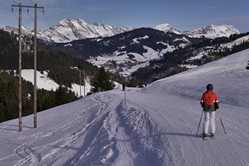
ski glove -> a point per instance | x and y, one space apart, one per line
202 104
216 105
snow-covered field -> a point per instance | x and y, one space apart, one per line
128 65
44 82
152 126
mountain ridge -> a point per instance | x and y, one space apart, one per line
210 31
68 30
74 29
125 53
101 30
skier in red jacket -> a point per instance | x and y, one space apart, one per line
209 103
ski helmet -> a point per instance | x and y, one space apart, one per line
210 87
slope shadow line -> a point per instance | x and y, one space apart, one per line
163 134
15 128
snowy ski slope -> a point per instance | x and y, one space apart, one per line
154 126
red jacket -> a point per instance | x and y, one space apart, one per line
209 101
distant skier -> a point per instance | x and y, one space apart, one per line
123 86
209 103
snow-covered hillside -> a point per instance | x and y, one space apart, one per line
155 125
129 62
44 82
205 51
126 52
236 42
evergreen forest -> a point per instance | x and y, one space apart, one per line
62 68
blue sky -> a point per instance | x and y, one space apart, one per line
181 14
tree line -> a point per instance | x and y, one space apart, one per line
61 67
9 97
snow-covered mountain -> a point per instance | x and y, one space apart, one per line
212 31
75 29
156 125
126 52
167 28
68 30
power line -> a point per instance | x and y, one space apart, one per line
15 2
5 7
8 10
45 17
30 15
43 13
47 20
12 11
35 7
32 19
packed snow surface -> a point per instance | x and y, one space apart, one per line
153 126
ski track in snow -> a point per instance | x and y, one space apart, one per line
49 153
155 125
109 132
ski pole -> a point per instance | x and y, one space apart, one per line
199 123
125 96
223 125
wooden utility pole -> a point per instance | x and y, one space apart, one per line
80 82
20 6
84 83
20 66
35 66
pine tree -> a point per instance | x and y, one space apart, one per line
247 67
60 96
102 82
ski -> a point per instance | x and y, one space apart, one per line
212 136
204 138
